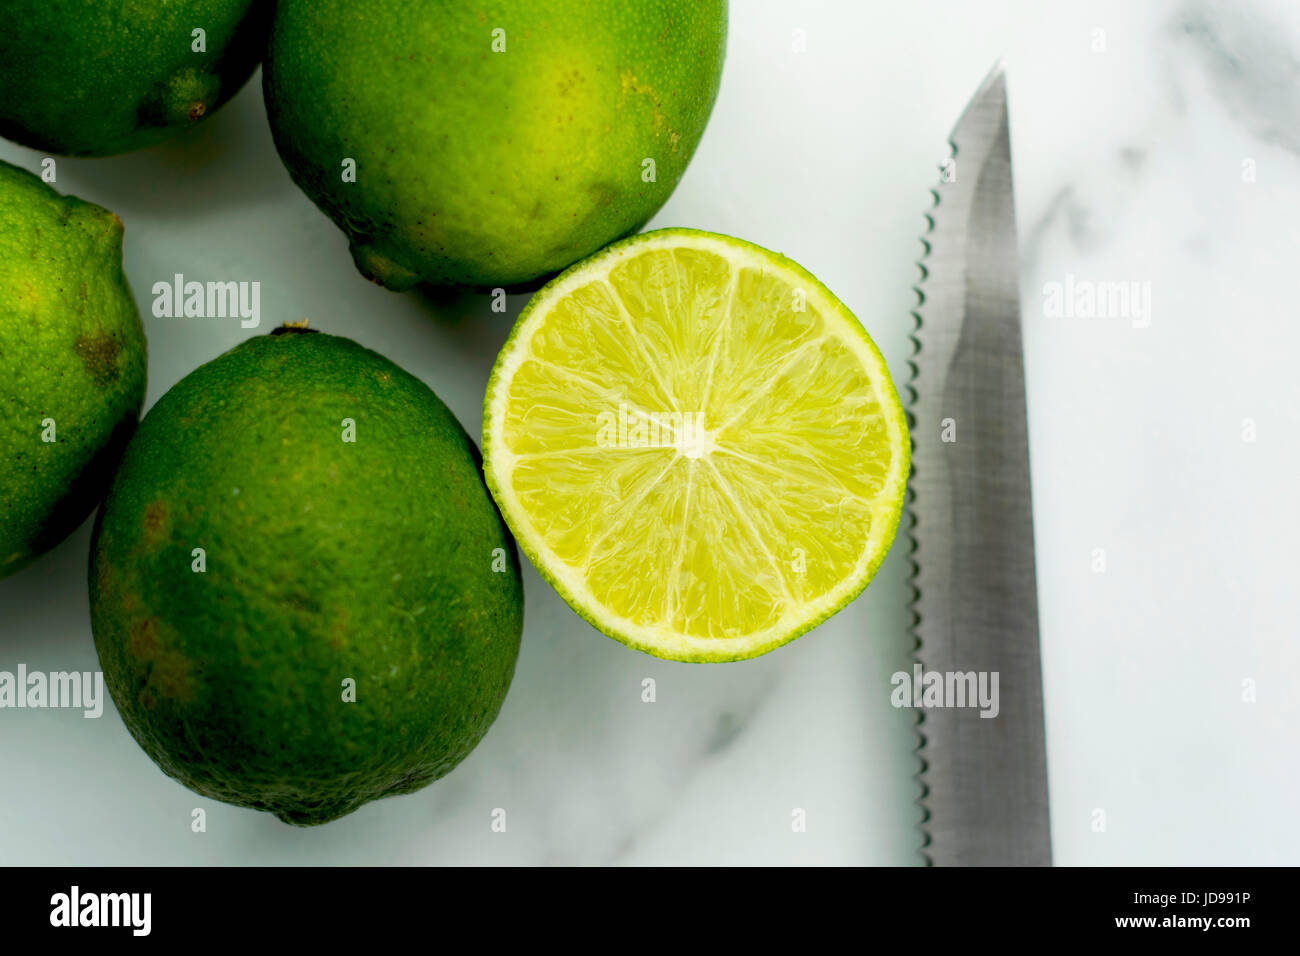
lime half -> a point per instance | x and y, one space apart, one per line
696 444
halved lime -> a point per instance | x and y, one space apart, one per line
696 444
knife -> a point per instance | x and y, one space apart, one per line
984 766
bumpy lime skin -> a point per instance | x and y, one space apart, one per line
381 562
103 77
72 363
480 168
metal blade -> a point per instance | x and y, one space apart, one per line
977 606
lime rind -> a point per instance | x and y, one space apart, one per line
659 641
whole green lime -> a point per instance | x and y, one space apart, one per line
302 596
101 77
489 144
72 363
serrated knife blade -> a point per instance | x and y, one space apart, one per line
984 777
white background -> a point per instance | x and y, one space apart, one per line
1129 147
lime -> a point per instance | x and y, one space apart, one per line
101 77
302 596
493 143
72 363
697 445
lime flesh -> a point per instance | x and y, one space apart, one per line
697 445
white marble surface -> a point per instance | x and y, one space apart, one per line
1129 164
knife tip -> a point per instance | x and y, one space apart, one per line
995 79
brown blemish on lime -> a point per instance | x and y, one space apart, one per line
155 522
114 590
632 85
28 293
98 353
197 110
169 670
568 82
143 640
338 629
